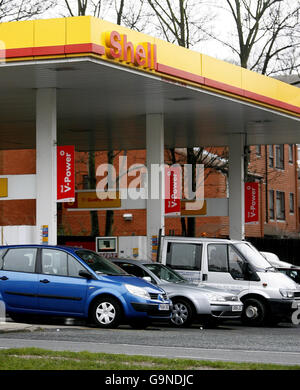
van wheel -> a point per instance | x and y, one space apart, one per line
106 312
254 312
182 313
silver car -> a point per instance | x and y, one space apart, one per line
206 305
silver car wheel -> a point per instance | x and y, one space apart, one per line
180 314
105 313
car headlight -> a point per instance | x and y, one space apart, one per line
138 291
215 297
286 293
233 298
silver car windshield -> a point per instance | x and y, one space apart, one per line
165 273
253 255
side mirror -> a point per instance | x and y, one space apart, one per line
250 274
147 279
85 274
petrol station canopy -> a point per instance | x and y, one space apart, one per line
108 78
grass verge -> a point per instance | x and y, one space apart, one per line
40 359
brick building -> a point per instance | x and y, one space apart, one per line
274 167
17 212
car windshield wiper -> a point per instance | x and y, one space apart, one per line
270 268
110 273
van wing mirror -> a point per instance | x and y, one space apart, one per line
250 273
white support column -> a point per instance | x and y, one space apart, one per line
236 187
155 160
46 191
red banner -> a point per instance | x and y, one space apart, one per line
251 202
172 190
65 174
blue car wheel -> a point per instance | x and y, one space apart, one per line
106 312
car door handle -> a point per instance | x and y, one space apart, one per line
4 278
45 281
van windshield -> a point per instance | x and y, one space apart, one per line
253 255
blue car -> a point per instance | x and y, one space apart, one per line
76 282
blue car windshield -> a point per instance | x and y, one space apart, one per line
99 264
165 273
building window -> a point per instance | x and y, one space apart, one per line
271 156
271 204
258 150
85 182
292 207
291 154
280 206
279 156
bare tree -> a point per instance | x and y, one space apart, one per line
133 14
127 13
213 158
266 40
180 21
267 34
122 12
88 7
183 22
11 10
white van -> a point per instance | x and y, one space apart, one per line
238 267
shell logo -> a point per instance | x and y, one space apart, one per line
119 48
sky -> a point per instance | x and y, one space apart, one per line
210 14
221 26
